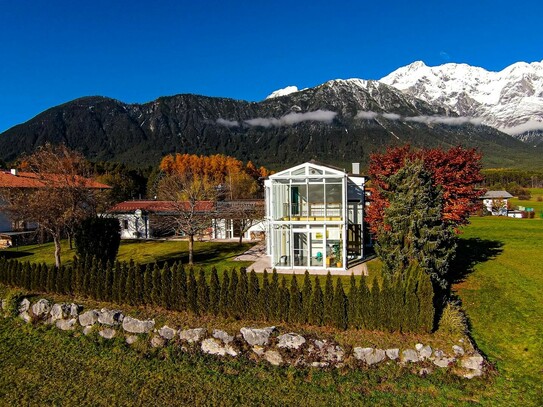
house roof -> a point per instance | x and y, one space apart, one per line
496 195
33 180
159 206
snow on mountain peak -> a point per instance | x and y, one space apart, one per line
507 99
282 92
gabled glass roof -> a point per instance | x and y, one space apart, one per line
308 169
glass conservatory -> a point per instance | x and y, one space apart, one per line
315 217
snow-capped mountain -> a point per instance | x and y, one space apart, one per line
282 92
510 100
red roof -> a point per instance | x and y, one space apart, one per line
32 180
160 206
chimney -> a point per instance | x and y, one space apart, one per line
356 168
14 171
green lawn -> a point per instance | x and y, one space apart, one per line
500 280
535 202
206 254
503 297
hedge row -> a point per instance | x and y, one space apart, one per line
403 304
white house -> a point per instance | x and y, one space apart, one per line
315 215
496 202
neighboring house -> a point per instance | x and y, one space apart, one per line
496 202
20 180
315 215
145 219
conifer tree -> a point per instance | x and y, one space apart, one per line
203 292
306 297
252 296
425 295
232 290
284 300
340 306
108 281
35 279
156 295
166 287
413 229
138 285
214 292
147 284
264 298
352 302
130 284
328 300
411 316
386 306
192 292
242 293
295 305
223 303
274 297
375 305
183 304
317 305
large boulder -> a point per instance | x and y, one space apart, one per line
425 352
60 311
273 357
222 335
192 335
137 326
66 324
167 333
110 317
107 333
410 356
89 318
474 362
24 306
291 341
41 308
458 350
370 356
393 353
443 362
257 336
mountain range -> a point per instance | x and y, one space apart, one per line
338 122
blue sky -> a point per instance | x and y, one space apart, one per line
135 51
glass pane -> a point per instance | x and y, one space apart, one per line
317 246
300 249
334 197
316 201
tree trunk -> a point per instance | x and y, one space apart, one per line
56 239
240 238
191 249
70 241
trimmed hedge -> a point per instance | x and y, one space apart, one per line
402 304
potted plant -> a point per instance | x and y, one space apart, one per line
337 254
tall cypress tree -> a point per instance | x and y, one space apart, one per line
328 300
352 302
192 292
340 306
295 305
264 298
166 287
108 282
317 305
203 292
274 297
425 295
232 290
386 306
130 284
411 315
225 295
156 295
183 304
306 297
252 296
242 293
284 300
147 284
375 305
214 292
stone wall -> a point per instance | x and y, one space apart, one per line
266 345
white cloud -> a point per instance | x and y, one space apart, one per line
530 125
324 116
366 115
228 123
451 121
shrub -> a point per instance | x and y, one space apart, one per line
453 321
98 237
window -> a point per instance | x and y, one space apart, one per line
125 224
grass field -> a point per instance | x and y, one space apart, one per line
206 254
499 279
534 202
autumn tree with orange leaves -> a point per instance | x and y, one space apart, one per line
457 172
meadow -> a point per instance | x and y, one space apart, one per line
498 280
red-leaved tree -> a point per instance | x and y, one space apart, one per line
456 171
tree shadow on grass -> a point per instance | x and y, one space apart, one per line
14 255
471 252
